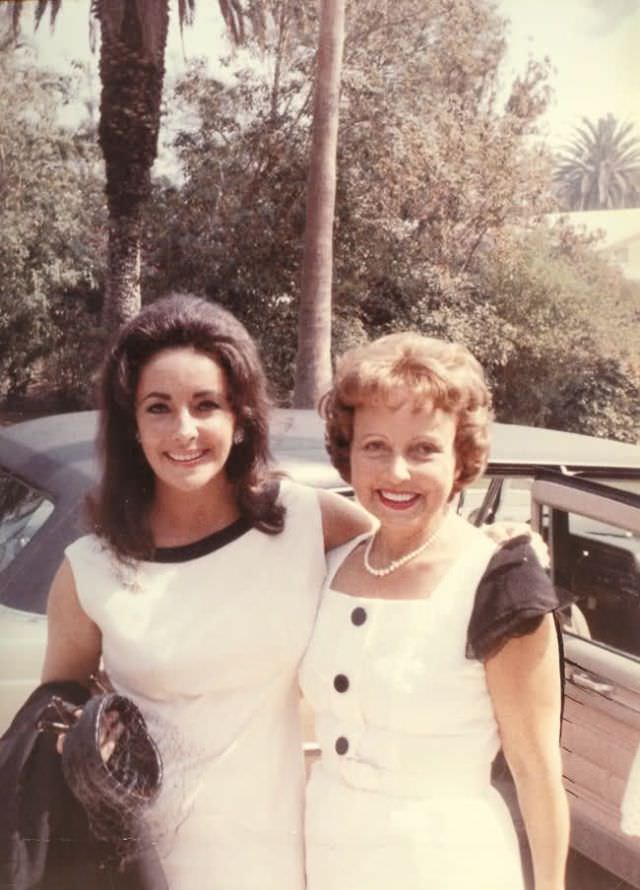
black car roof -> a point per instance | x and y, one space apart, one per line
56 455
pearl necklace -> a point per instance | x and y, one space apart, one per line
402 560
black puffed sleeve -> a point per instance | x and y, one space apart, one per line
513 596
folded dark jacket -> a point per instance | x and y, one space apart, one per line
46 842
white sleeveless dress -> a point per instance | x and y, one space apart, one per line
401 796
208 647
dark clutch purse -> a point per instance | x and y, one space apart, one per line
114 791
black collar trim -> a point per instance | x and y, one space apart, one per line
204 546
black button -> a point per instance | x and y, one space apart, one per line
340 683
358 616
342 745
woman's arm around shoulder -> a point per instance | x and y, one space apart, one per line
74 642
342 519
524 684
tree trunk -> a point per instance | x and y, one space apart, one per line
313 360
122 297
133 36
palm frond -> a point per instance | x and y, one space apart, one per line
186 12
600 166
41 8
238 14
16 10
93 27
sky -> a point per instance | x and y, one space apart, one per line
593 46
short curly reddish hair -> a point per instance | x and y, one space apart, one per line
443 373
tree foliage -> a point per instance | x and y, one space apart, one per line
133 38
51 266
557 367
442 187
431 164
600 169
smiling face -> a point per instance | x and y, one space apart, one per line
185 421
403 462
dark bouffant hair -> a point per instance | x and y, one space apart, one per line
446 374
119 508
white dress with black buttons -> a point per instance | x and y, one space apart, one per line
401 796
207 641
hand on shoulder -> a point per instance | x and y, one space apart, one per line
505 530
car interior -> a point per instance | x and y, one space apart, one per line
23 510
599 565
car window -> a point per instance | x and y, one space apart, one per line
508 498
469 499
499 499
599 565
22 512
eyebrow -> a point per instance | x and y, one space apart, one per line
156 395
165 396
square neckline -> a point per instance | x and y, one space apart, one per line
451 571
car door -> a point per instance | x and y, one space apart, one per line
593 534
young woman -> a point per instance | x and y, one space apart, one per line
198 588
432 647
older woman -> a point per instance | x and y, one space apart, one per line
432 648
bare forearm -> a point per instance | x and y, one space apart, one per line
543 803
525 690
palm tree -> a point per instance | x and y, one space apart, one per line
313 359
601 168
132 53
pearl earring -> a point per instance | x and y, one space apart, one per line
238 436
